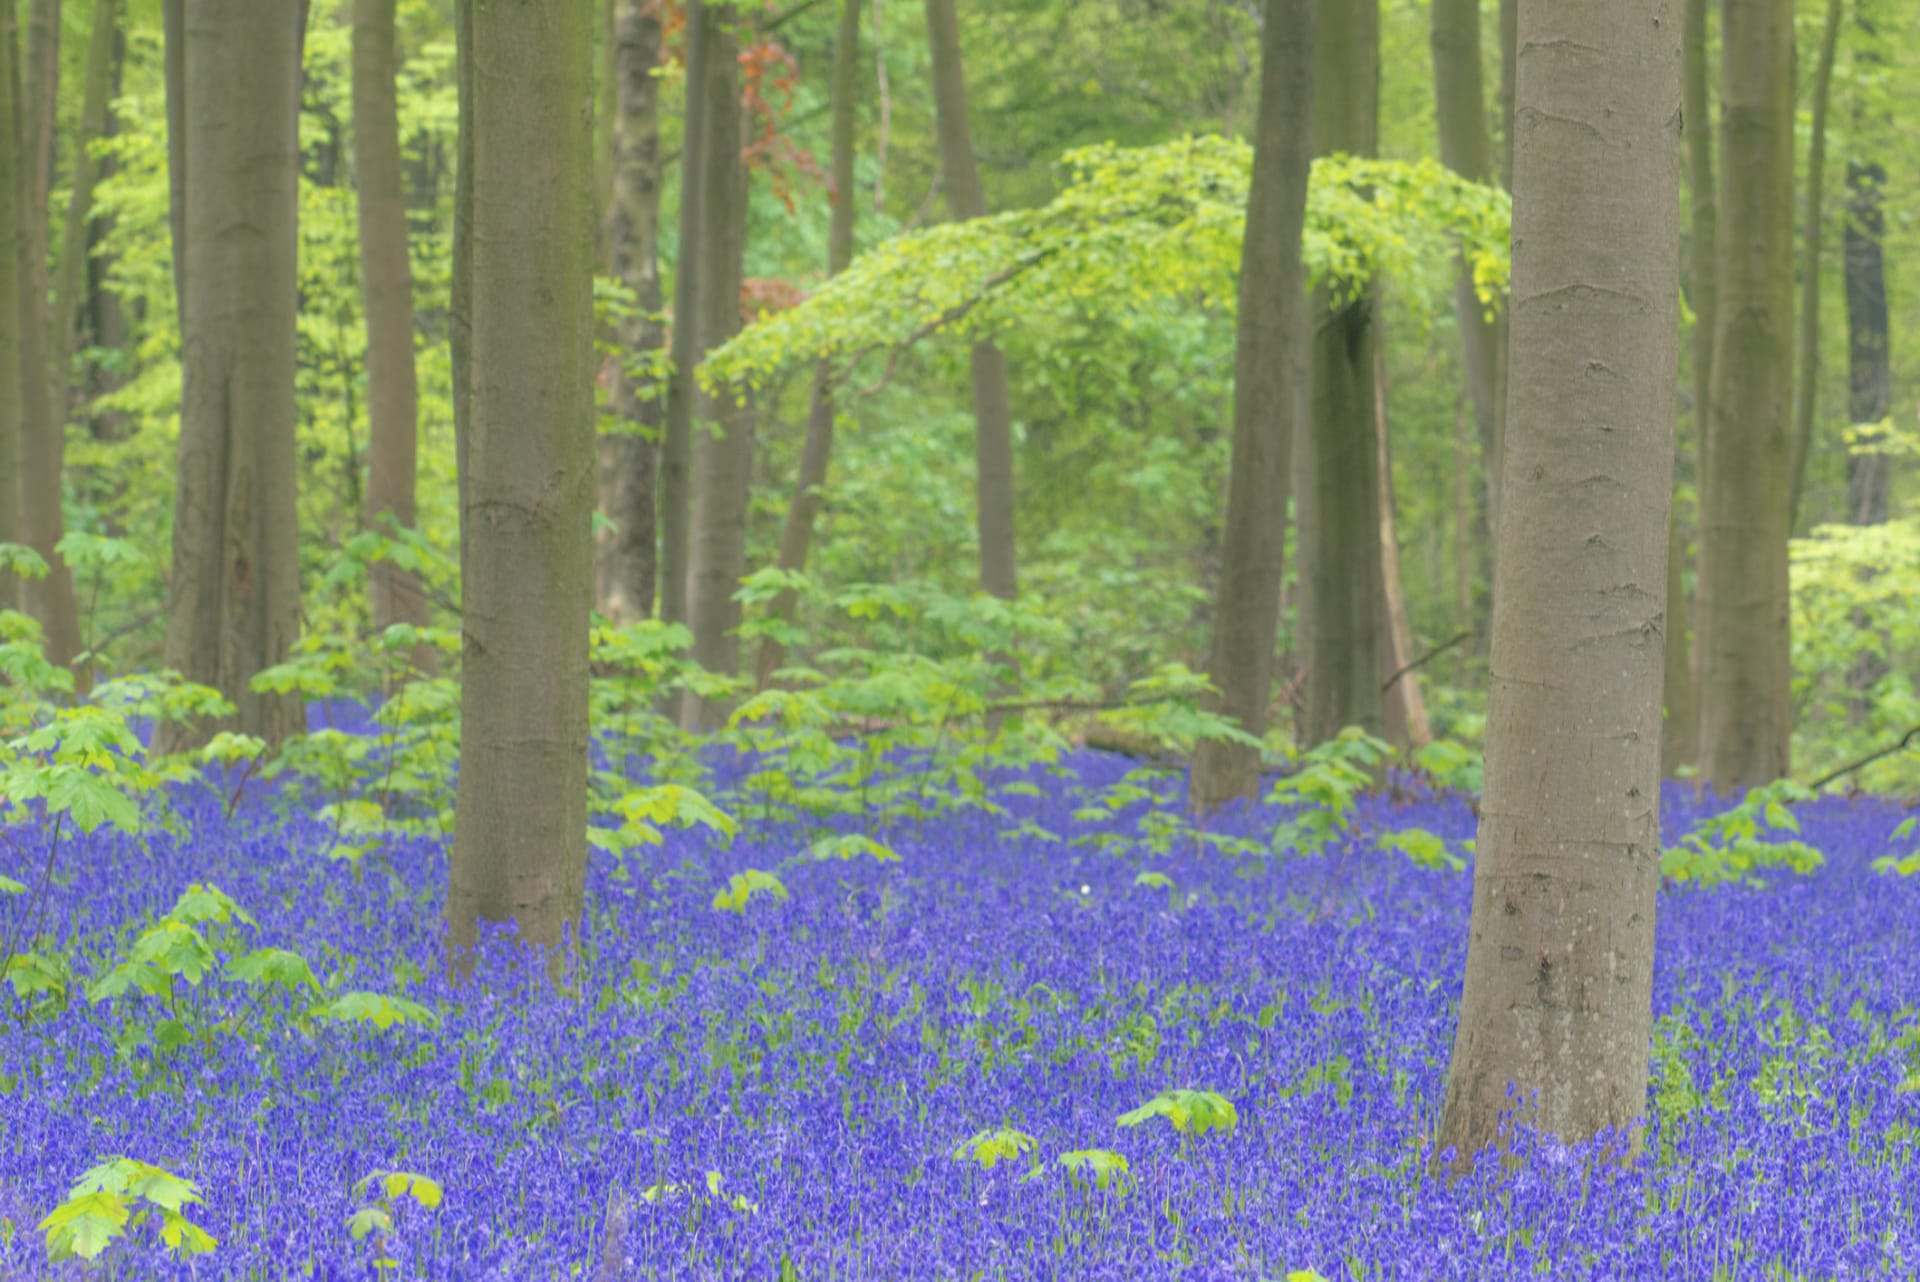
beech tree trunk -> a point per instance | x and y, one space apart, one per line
1680 731
1869 354
630 456
234 605
10 529
1339 495
1465 147
808 490
71 288
386 281
42 432
992 400
676 444
1745 661
1558 992
723 450
1806 378
1404 707
1269 338
519 849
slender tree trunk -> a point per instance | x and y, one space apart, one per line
77 238
173 20
460 288
519 850
1806 378
722 457
1509 53
1465 148
809 487
1680 731
992 400
42 432
386 279
630 456
1745 660
1869 354
1405 707
1558 993
10 531
1269 338
234 606
1339 498
676 445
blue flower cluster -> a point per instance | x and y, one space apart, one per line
787 1092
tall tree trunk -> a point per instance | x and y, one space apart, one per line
676 443
723 457
460 288
1559 975
1465 148
1869 356
173 21
519 849
386 279
234 605
1744 704
992 400
630 456
1680 731
1807 376
1269 338
42 432
1405 708
76 240
10 532
1339 496
1509 52
809 487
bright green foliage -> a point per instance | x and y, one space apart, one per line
1902 865
641 811
1450 764
743 886
997 1144
1156 880
851 845
1325 790
1104 1167
1424 849
1131 227
377 1218
1192 1113
1730 847
102 1207
382 1010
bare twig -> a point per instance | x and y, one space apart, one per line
1424 659
1900 745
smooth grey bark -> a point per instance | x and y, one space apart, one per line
1338 474
992 399
519 848
10 586
173 22
1465 147
1404 706
1680 731
42 449
1745 659
386 282
1557 1001
234 602
629 458
1806 377
1269 338
809 486
675 507
723 449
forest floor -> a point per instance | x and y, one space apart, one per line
929 1068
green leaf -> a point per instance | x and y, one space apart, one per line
997 1144
1189 1112
1107 1168
8 886
84 1226
743 886
849 846
1156 880
377 1009
369 1219
273 966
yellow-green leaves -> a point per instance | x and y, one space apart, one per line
104 1205
379 1009
997 1144
1189 1112
743 886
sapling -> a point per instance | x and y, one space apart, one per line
116 1197
383 1192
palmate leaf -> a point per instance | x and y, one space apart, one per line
203 903
396 1184
743 886
273 966
994 1145
377 1009
1189 1112
849 846
84 1225
1107 1168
